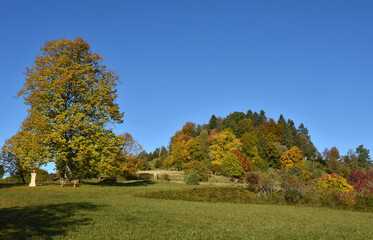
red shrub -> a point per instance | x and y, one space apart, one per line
362 181
252 180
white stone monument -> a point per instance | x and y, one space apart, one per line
33 179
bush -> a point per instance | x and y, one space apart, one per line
51 177
252 180
362 181
145 176
41 176
232 179
333 182
240 180
215 169
364 202
199 168
192 178
11 179
164 177
266 187
293 191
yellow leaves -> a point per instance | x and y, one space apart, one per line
292 158
221 144
71 98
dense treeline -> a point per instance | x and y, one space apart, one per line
243 142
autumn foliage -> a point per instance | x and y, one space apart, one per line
334 182
292 158
362 181
71 97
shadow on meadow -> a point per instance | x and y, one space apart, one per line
43 221
9 185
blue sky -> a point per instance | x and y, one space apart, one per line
183 61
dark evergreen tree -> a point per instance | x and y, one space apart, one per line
302 129
164 153
363 157
249 114
281 120
262 117
213 123
256 119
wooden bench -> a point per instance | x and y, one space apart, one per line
69 182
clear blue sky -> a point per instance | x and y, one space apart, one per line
183 61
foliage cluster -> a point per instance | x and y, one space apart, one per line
192 178
333 182
362 181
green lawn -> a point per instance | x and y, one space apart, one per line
113 212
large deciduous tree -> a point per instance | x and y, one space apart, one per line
222 144
71 99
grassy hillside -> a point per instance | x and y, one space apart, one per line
113 212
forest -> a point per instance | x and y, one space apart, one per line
240 143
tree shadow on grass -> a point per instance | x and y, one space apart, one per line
43 221
9 185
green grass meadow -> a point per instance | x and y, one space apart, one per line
114 212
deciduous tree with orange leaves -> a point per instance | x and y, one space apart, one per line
292 158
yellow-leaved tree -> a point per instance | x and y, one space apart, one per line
222 144
292 158
71 99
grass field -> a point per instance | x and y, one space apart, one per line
114 212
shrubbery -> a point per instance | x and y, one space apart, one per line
280 187
51 177
199 168
192 178
164 177
252 180
333 182
293 191
362 181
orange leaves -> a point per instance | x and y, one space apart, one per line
272 130
292 158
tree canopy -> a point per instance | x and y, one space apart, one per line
71 99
